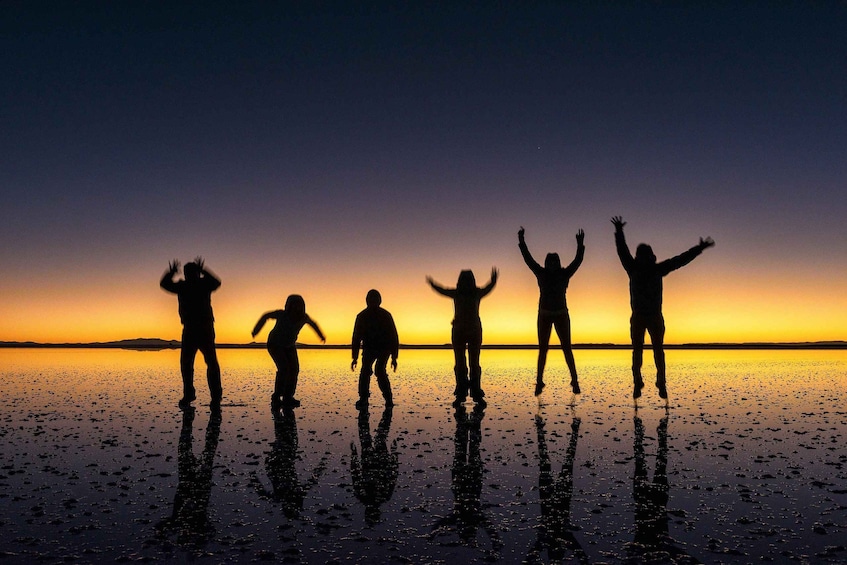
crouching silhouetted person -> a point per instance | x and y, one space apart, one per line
282 346
376 333
194 294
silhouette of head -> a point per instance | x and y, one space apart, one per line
192 271
466 281
295 306
644 254
552 261
373 299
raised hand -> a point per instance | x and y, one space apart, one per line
199 262
494 274
618 222
580 237
173 266
520 233
706 243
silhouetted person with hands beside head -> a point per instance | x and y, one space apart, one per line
375 332
282 346
645 292
553 282
467 332
194 294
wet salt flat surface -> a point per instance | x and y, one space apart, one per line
747 464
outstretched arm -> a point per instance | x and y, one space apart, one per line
620 243
312 324
449 292
261 323
492 283
167 281
683 259
527 256
580 253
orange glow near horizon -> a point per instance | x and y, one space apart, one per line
599 314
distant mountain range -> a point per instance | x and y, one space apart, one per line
144 343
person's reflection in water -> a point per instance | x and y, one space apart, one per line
375 471
555 533
652 541
190 517
468 516
280 465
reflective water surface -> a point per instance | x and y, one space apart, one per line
746 464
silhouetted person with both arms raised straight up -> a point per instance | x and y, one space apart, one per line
645 292
376 333
198 325
282 346
553 282
467 332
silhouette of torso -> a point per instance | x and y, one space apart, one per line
552 281
286 330
195 300
375 330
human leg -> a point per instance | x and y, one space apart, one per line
563 330
213 368
656 329
188 352
636 330
290 383
382 378
460 368
544 327
474 346
365 378
280 359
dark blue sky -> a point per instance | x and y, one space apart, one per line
311 134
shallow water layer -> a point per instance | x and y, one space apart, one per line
746 463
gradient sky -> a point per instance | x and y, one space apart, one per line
326 148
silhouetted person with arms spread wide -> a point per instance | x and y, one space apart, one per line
282 346
645 293
376 333
553 282
467 332
198 325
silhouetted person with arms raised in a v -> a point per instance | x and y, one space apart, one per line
194 294
555 533
376 333
652 542
282 346
645 293
553 282
467 332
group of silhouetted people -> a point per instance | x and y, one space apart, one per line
375 334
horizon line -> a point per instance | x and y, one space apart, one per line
159 344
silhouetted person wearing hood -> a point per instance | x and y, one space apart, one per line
645 292
282 346
467 332
553 282
376 333
198 325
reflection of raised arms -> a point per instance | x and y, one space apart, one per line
685 258
265 317
167 281
580 253
620 243
207 274
449 292
312 324
490 286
